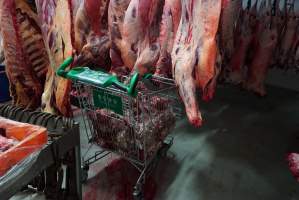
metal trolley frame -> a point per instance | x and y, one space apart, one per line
132 123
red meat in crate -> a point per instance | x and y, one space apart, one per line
6 143
29 139
153 121
293 159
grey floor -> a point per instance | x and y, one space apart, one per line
239 153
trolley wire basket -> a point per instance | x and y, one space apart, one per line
133 127
131 120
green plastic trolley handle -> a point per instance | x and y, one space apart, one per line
61 70
130 88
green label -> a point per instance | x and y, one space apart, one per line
103 99
89 76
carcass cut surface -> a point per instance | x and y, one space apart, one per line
26 58
139 44
231 10
56 23
264 51
293 159
116 15
170 38
149 15
288 37
194 52
168 29
2 58
6 143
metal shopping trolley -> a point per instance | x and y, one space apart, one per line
132 120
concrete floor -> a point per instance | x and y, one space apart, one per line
239 153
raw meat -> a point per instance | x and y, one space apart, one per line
256 26
90 21
116 14
296 57
288 38
264 52
149 15
169 26
26 58
290 60
244 35
192 41
265 36
231 10
194 53
152 123
116 132
293 159
32 41
91 40
280 19
128 45
2 58
56 24
95 54
5 143
140 48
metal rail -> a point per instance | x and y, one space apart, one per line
64 139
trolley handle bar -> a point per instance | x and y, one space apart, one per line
130 88
61 70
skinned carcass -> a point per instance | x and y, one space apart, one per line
288 37
150 125
243 39
264 51
116 14
291 57
280 18
91 39
149 15
128 44
296 58
6 143
293 160
56 24
230 12
140 47
2 57
169 26
26 59
194 53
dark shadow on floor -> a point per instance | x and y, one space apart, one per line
117 179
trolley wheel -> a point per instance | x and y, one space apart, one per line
84 174
137 193
41 184
163 152
164 149
38 182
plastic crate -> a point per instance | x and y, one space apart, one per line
30 139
